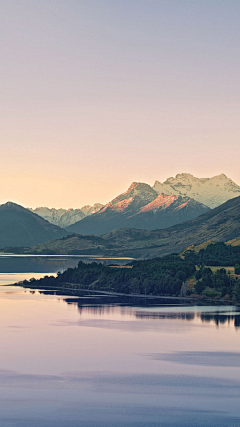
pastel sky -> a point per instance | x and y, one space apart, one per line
96 94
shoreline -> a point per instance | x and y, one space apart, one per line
131 296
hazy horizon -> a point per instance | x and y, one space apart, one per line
96 95
105 202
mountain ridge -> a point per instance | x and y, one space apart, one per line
66 217
21 227
219 224
212 192
139 207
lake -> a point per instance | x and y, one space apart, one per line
10 263
70 361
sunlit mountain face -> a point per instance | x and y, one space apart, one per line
141 197
140 207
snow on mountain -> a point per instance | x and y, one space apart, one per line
140 207
65 217
89 210
211 192
137 195
141 198
162 200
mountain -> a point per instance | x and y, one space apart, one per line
89 210
65 217
20 227
219 224
139 207
212 192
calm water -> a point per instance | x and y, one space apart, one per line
49 263
69 362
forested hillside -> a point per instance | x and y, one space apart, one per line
215 254
159 276
177 274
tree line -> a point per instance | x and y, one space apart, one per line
158 276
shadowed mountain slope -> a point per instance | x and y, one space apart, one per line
140 207
20 227
219 224
73 244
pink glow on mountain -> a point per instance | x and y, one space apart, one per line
161 200
182 205
119 206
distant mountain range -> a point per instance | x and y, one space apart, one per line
212 192
65 217
20 227
157 212
219 224
140 207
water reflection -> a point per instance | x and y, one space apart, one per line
216 317
99 361
144 309
222 318
182 316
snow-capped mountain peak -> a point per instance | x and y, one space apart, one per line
136 196
65 217
211 192
140 189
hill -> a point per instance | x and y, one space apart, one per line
159 276
71 245
140 207
20 227
213 254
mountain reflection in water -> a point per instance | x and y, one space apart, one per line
94 360
144 308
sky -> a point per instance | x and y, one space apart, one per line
97 94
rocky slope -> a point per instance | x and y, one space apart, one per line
65 217
140 207
20 227
211 192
